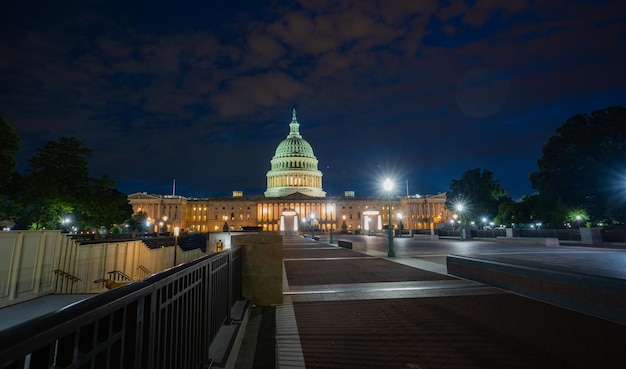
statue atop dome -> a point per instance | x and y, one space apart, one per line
294 126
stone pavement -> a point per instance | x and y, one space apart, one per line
349 309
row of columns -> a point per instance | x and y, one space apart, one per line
288 181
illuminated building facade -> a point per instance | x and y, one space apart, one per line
293 202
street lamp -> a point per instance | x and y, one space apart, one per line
176 233
388 186
459 208
578 218
330 211
225 227
163 224
313 226
66 224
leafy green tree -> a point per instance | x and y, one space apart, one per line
57 185
582 166
478 192
102 205
507 212
522 213
137 222
57 174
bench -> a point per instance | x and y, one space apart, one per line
426 236
351 245
544 241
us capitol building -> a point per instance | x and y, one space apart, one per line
294 201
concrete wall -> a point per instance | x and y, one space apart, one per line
590 236
262 267
37 263
27 264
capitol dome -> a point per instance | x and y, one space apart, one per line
294 166
294 146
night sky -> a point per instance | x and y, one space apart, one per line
201 92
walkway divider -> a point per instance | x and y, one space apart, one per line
597 295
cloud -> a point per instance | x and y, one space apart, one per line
356 69
244 95
264 50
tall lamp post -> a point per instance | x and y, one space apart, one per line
312 226
176 233
330 211
388 185
66 224
459 208
163 224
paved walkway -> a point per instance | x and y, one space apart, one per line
349 309
27 310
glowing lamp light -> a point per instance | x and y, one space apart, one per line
388 186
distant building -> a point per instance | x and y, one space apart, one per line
294 201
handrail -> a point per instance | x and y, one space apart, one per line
118 275
139 325
67 275
145 270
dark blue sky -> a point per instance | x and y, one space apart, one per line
202 92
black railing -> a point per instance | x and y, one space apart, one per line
145 271
614 235
572 234
561 234
118 275
69 276
165 321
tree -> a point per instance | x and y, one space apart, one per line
57 185
101 205
582 166
137 222
478 192
521 213
57 174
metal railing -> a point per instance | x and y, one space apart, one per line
144 271
165 321
118 275
561 234
69 276
614 235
